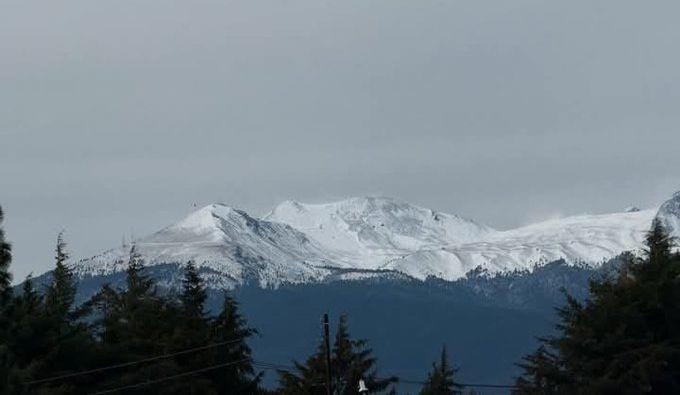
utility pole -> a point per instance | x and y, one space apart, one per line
327 347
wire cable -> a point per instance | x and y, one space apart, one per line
132 363
260 364
288 368
465 385
174 376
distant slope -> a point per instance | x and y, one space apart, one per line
589 239
382 233
370 233
366 237
240 248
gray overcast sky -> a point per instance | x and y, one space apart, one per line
116 116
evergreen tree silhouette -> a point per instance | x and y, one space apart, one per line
659 243
230 326
351 360
61 292
193 293
440 379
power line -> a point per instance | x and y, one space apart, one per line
132 363
288 368
467 385
260 364
264 365
500 386
284 368
174 376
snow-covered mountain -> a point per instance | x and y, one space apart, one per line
230 242
669 215
360 237
369 233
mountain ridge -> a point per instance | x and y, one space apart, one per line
358 237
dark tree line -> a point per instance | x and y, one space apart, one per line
625 339
136 336
45 336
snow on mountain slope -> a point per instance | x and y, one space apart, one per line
228 241
365 232
380 233
362 237
588 239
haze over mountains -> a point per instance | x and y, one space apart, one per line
376 236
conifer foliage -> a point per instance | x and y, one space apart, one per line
232 328
43 336
139 321
351 360
440 379
624 339
62 291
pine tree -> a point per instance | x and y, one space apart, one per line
64 335
136 323
352 360
192 329
542 372
41 345
24 340
659 243
138 283
61 293
5 260
231 327
440 379
193 293
309 378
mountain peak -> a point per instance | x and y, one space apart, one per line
205 217
359 205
